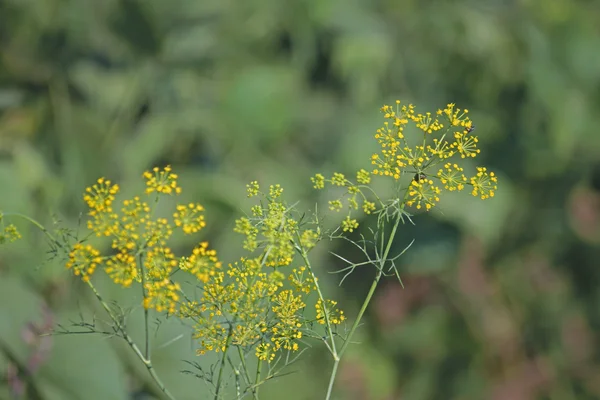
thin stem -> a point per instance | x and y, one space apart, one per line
365 304
222 367
146 311
258 371
336 363
246 373
147 362
304 256
37 224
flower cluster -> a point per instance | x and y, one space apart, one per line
448 134
256 303
276 231
248 304
140 252
420 147
353 197
84 259
8 233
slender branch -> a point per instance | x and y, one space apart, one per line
382 261
147 362
257 380
38 225
222 367
246 372
304 256
146 311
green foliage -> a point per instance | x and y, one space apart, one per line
498 297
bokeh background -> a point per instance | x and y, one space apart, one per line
501 298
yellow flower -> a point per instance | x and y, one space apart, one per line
203 263
466 144
10 233
423 192
368 207
253 188
302 281
122 269
264 352
335 205
161 181
157 232
159 263
162 295
83 259
101 195
275 191
349 224
309 238
452 177
189 218
318 181
338 179
126 233
103 223
335 315
363 177
484 184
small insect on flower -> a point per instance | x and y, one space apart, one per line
419 176
471 128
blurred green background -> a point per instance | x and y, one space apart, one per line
501 298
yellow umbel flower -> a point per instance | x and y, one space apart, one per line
101 195
423 192
162 295
265 352
484 184
84 259
335 315
189 218
122 269
203 263
452 177
9 234
161 181
159 263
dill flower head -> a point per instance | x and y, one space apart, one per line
9 234
83 260
439 137
122 268
452 177
162 295
161 181
423 193
159 263
301 280
329 310
189 218
484 184
100 196
203 263
273 228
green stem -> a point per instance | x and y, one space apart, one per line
37 224
246 373
222 367
338 356
146 311
322 299
258 371
147 362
